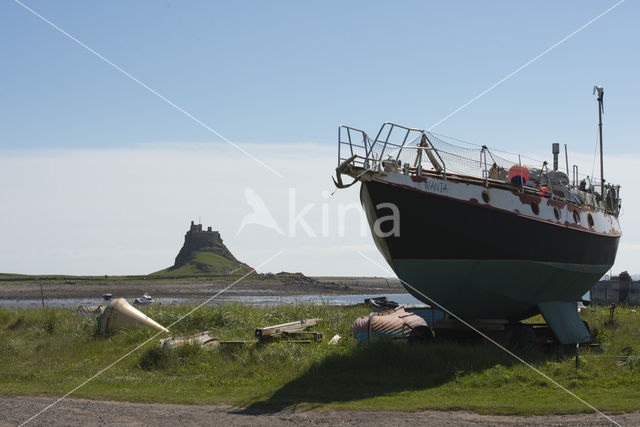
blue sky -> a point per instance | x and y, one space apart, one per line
278 74
291 71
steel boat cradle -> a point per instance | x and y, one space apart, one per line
482 235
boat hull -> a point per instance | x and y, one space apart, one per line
478 261
488 289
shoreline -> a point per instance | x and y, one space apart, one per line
199 289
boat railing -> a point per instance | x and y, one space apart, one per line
405 148
413 151
353 143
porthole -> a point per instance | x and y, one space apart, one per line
485 196
590 220
556 212
576 217
535 208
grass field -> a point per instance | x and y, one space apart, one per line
204 263
191 272
50 351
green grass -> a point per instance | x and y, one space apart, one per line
50 351
204 266
204 263
11 276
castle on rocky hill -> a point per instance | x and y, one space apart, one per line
196 239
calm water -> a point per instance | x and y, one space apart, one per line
404 299
264 300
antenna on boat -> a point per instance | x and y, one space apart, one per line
566 158
600 91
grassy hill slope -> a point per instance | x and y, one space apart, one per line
205 263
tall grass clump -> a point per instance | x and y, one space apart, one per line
155 357
5 316
50 321
17 322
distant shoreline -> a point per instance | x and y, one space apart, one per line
196 288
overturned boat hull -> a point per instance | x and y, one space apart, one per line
389 324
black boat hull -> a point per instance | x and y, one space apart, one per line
478 262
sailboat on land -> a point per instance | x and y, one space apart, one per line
483 236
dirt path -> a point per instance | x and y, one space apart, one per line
76 412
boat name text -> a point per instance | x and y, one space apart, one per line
435 185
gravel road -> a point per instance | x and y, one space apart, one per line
80 412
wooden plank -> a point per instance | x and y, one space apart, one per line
296 326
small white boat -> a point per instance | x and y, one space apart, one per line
145 299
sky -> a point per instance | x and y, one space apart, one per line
99 175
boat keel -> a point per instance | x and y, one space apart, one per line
562 317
